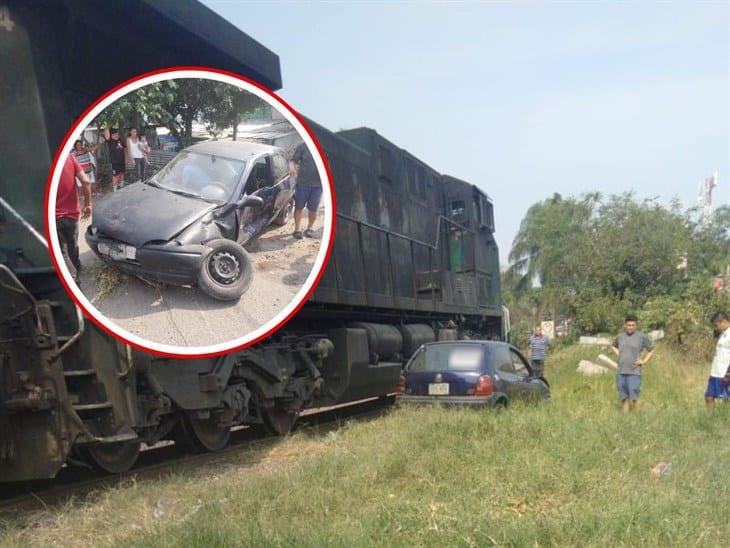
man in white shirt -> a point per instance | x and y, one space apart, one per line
717 386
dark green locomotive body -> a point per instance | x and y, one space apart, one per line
414 259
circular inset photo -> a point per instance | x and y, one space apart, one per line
190 212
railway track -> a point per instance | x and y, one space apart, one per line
79 483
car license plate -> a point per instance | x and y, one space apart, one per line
438 389
118 252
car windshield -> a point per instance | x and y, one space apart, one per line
203 176
447 357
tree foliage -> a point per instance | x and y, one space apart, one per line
177 104
145 105
592 259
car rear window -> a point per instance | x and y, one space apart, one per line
447 357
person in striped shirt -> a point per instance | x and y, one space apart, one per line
86 159
539 344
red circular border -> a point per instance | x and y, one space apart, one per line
74 129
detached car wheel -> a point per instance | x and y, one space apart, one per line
226 272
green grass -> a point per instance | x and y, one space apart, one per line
571 472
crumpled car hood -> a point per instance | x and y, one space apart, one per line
140 213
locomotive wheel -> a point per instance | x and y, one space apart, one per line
113 458
278 421
201 435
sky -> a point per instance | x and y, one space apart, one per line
521 99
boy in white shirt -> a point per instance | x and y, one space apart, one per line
717 385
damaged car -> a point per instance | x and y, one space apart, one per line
187 224
470 373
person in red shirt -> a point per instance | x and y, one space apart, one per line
68 212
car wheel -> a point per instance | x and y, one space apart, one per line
226 272
285 214
500 406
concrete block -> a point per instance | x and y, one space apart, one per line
589 368
596 341
606 361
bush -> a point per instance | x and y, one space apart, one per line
599 313
657 311
564 341
520 333
688 326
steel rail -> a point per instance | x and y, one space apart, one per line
159 461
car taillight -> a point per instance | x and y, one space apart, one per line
485 386
400 385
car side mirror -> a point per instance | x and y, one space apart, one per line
250 201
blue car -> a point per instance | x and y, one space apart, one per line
470 373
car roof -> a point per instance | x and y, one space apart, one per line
469 341
237 150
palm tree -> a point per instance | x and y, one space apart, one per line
546 249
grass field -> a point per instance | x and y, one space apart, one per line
570 472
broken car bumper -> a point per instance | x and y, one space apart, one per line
457 401
169 262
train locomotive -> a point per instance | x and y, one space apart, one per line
414 260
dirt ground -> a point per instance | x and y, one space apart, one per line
185 316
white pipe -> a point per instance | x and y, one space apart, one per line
26 224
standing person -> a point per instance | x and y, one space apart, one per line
146 149
308 191
86 160
717 385
136 150
68 212
629 346
539 344
117 156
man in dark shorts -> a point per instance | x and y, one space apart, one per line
629 346
117 156
308 190
68 212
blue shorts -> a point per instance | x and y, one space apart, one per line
716 388
307 195
629 386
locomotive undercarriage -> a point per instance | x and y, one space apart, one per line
71 394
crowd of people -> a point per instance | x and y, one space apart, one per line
78 179
132 150
634 349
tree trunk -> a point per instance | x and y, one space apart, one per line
539 314
554 314
235 121
188 136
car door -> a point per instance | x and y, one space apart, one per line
252 220
283 184
507 380
530 388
